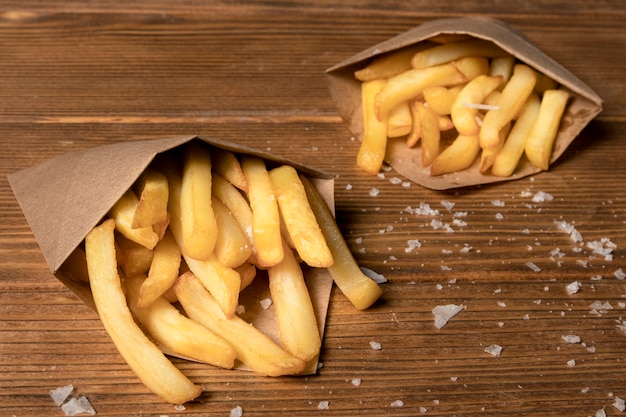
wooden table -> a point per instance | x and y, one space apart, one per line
75 75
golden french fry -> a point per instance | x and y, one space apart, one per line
265 214
232 248
389 65
122 212
151 187
458 156
223 282
544 83
508 158
467 103
356 286
199 227
399 122
374 143
431 135
442 54
410 84
143 357
471 67
295 316
163 270
416 129
135 259
247 272
445 123
502 66
239 207
514 95
254 349
541 137
440 98
226 164
175 333
299 219
488 155
161 227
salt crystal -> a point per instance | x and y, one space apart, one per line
375 276
395 180
532 266
236 412
374 192
541 197
443 313
620 274
266 303
59 395
375 346
601 413
323 405
449 205
412 244
497 203
397 403
425 210
494 350
571 362
570 338
423 409
348 187
619 404
77 405
240 310
356 382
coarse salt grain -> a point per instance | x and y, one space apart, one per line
532 266
601 413
494 350
620 274
619 404
375 345
412 244
375 276
570 338
541 197
356 381
77 405
571 363
323 405
374 192
444 313
397 403
236 412
61 394
448 205
266 303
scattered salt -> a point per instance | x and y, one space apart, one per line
374 192
497 203
570 338
425 210
601 413
348 187
494 350
356 381
266 303
423 409
323 405
60 395
532 266
375 346
541 197
620 274
77 405
375 276
397 403
443 313
448 205
571 362
619 404
236 412
412 244
395 181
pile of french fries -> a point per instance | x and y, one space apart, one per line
487 104
167 265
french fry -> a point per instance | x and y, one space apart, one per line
236 203
514 95
226 164
544 83
163 270
471 67
389 65
151 187
411 84
265 214
360 290
295 316
136 258
460 155
416 129
247 273
122 212
442 54
232 248
199 227
143 357
175 333
465 106
399 122
508 158
488 155
502 66
161 227
431 135
299 219
440 98
254 349
541 137
224 283
374 142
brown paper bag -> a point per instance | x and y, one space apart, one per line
64 198
345 91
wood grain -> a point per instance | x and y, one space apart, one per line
78 75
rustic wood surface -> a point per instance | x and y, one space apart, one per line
75 75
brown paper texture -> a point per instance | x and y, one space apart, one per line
64 198
345 91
